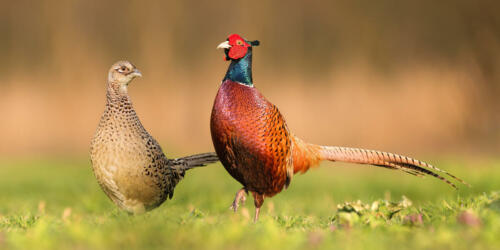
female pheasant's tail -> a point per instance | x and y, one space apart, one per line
193 161
382 159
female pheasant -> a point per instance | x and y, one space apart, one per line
256 147
128 162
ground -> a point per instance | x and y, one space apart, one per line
57 204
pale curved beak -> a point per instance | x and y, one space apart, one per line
137 73
224 45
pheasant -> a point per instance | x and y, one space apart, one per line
127 161
256 147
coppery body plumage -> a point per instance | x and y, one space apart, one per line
255 146
251 139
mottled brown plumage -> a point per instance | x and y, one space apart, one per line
128 162
256 147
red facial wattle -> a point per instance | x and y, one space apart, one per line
237 52
239 47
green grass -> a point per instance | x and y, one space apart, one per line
57 204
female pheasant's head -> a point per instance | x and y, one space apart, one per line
235 47
122 73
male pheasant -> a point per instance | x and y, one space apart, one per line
256 147
128 163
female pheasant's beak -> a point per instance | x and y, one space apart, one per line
224 45
136 73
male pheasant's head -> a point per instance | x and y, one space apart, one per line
235 47
122 73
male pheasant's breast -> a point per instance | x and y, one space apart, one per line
245 121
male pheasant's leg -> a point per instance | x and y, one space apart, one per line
258 201
240 197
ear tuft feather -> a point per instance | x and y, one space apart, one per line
255 43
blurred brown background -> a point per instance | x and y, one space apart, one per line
404 76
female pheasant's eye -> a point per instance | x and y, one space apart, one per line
123 69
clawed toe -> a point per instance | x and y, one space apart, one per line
234 206
239 198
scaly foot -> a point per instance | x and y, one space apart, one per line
257 212
240 197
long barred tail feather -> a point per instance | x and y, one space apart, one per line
384 159
193 161
408 171
420 170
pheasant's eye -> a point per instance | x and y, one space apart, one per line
239 42
123 69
